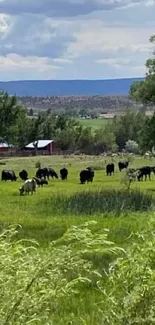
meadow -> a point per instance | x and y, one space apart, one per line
94 123
79 230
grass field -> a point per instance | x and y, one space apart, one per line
37 215
48 214
94 123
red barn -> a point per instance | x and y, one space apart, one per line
4 147
48 146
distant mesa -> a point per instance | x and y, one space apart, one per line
41 88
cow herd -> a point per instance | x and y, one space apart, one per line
86 175
41 178
139 173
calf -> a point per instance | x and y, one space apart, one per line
46 173
123 165
110 168
23 175
52 173
8 175
144 171
28 186
87 175
64 173
40 182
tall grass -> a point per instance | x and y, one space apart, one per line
62 284
100 202
43 287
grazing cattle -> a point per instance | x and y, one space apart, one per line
52 173
87 175
123 165
110 168
28 186
42 172
144 171
63 174
23 175
46 173
8 175
40 182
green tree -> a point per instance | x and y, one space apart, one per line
129 126
104 140
144 91
148 134
66 139
31 112
86 139
11 116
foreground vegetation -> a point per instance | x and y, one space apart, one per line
86 247
61 284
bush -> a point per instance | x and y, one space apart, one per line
131 146
130 296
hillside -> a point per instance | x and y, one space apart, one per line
68 87
89 103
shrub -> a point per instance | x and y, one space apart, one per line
130 295
131 146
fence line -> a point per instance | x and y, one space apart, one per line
29 153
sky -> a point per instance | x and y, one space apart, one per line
75 39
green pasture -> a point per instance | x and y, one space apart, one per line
70 286
94 123
41 216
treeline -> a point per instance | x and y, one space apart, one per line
79 105
19 129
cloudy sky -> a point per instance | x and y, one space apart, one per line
75 39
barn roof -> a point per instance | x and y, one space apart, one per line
41 144
5 145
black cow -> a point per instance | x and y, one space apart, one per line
64 173
23 175
46 173
123 165
52 173
8 175
87 175
40 182
144 171
42 172
110 168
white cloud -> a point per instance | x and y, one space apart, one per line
27 67
93 39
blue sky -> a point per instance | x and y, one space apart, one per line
75 39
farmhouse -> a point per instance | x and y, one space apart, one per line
5 147
48 146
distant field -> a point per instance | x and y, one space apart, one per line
94 123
